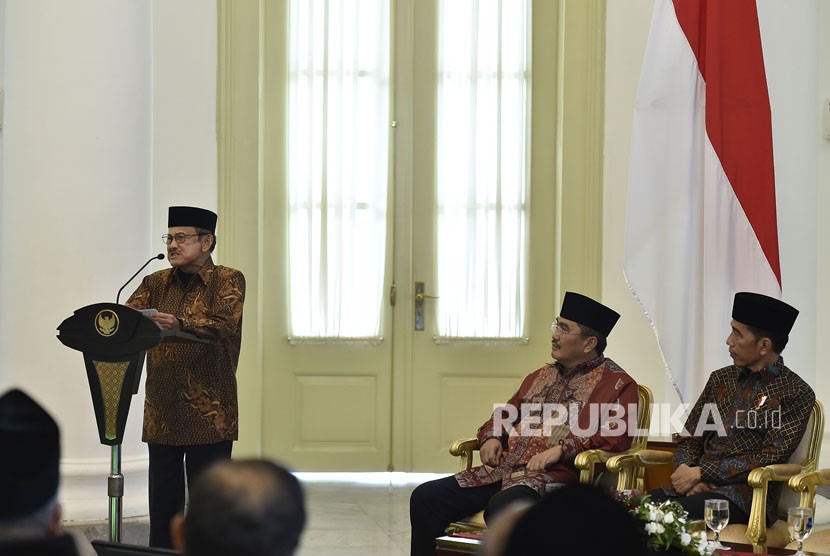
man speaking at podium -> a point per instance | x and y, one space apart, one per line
190 408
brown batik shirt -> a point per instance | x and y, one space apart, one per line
191 387
764 416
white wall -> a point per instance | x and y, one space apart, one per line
73 198
109 118
184 109
822 384
791 36
797 65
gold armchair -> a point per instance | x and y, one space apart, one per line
587 462
804 459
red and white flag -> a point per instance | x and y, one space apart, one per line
701 217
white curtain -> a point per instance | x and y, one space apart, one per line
338 166
482 167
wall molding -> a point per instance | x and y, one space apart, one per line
580 146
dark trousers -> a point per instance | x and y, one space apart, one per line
694 504
435 504
168 465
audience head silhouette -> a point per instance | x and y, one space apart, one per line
29 475
245 508
30 515
576 519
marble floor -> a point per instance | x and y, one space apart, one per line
358 514
349 514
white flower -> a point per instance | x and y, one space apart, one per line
654 514
667 526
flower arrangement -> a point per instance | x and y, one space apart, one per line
666 525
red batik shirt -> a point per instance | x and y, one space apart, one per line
597 382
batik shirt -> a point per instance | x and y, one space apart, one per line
764 415
191 387
590 391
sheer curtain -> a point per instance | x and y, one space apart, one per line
338 153
482 167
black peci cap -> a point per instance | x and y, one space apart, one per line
30 469
764 312
191 216
586 311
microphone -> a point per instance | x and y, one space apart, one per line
159 257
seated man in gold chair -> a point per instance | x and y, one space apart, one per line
577 403
751 414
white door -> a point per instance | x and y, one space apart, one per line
452 383
396 401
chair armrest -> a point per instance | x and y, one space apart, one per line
776 472
628 465
587 461
639 458
759 479
806 484
802 481
464 449
588 458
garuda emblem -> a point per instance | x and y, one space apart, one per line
106 322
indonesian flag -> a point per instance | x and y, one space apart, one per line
701 219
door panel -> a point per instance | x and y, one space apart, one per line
327 408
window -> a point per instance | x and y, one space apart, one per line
339 90
482 167
338 165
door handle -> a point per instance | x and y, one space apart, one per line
420 296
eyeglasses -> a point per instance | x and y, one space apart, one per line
557 328
180 237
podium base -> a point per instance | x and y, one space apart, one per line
134 530
115 491
83 491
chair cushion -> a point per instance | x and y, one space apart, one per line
777 534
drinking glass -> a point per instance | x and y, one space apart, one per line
800 524
716 515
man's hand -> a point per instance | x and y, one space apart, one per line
167 321
491 452
542 460
701 487
685 478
